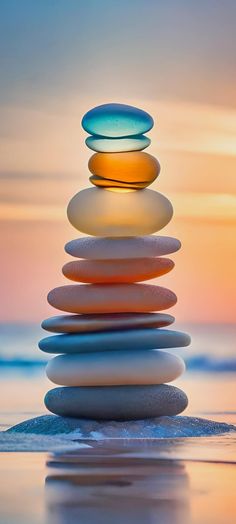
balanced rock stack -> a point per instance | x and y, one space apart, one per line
110 359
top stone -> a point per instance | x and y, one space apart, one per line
116 120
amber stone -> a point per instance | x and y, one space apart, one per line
133 166
105 182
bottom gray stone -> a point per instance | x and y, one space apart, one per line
116 402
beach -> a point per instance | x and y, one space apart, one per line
187 480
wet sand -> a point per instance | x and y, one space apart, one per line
38 488
186 480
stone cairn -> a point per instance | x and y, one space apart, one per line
109 360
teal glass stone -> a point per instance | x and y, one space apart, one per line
132 339
116 120
117 145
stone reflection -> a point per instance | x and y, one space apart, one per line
111 485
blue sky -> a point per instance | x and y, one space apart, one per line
135 48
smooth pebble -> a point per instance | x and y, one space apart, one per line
105 322
119 212
116 368
107 183
116 145
111 298
116 271
116 120
132 339
119 248
133 166
116 402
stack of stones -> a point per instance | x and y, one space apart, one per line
110 359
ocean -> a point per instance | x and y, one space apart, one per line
213 347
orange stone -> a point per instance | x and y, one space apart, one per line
111 298
131 166
115 271
105 182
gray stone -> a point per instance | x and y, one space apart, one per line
116 402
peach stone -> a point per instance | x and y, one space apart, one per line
111 298
114 271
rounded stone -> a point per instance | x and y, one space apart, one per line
116 120
105 322
134 166
119 212
107 183
116 402
111 298
119 248
115 368
132 339
117 145
116 271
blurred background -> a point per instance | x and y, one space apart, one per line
174 59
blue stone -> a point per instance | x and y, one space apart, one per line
135 339
117 145
116 120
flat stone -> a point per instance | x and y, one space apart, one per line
119 212
118 248
132 339
133 166
117 271
105 322
116 120
108 183
116 402
114 368
163 427
117 145
111 298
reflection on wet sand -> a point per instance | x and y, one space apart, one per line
115 485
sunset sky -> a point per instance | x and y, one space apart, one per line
173 58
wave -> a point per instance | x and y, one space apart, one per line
195 363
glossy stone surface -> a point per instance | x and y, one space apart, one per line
110 298
119 248
102 212
116 120
116 402
132 339
117 145
115 368
134 166
107 183
116 271
105 322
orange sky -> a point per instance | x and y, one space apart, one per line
183 81
199 180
